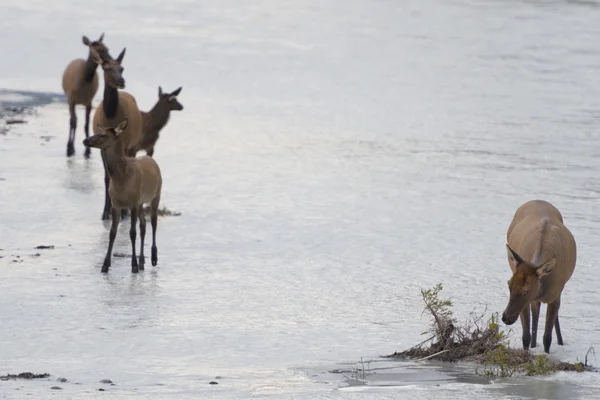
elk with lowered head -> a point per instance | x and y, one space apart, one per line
80 84
133 183
541 255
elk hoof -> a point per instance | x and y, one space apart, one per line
105 267
134 270
70 149
88 152
142 262
154 256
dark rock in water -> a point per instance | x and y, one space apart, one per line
63 380
56 388
15 121
40 247
101 390
213 383
106 381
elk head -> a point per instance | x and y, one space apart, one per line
524 285
170 99
105 137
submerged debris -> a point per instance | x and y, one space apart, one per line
41 247
478 342
15 121
163 212
23 375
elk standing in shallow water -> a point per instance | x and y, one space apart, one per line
156 119
133 183
116 106
542 255
80 84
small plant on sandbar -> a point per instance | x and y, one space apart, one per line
477 341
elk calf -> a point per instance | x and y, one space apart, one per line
133 183
155 120
80 84
541 255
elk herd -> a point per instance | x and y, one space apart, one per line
120 131
541 250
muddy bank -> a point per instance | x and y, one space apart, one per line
16 106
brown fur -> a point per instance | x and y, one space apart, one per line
127 108
115 107
80 84
133 183
156 119
542 255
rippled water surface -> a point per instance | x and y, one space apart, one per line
332 159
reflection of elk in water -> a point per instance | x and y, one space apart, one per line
80 84
133 183
541 255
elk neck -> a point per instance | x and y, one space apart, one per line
110 102
90 69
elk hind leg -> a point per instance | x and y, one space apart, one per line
142 218
154 221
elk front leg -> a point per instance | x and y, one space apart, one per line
107 201
72 128
116 215
551 316
526 328
535 317
88 110
142 218
132 236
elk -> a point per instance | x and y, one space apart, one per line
80 84
133 183
155 120
116 106
541 255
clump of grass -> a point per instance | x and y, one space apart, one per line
163 211
479 340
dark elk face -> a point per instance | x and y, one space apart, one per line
170 99
97 47
113 71
105 137
523 285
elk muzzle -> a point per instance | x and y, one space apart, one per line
509 319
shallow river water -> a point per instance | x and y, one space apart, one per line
332 159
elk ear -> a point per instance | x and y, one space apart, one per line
86 41
121 127
120 58
513 256
159 91
176 92
545 268
101 37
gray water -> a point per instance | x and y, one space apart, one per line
332 159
